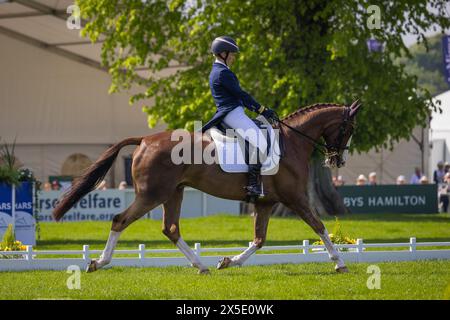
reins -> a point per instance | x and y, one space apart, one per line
334 148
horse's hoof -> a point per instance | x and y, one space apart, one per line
343 269
223 263
92 266
204 271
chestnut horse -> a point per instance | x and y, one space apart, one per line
157 180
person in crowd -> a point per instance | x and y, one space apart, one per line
424 180
56 186
333 180
415 178
340 181
438 174
401 180
122 185
444 193
372 179
361 181
47 186
447 167
102 185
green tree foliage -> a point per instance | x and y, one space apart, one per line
294 53
427 65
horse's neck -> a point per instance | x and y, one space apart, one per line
311 123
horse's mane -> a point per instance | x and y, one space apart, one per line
312 107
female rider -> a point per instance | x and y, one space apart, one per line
230 100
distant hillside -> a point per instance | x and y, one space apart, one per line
428 65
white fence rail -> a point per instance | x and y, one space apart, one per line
30 259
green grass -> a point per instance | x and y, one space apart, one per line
399 280
230 231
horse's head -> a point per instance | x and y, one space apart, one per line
338 136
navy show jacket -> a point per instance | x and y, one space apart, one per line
227 94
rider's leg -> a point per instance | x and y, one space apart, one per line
248 130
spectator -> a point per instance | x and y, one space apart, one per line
361 181
47 186
122 185
334 181
415 178
447 167
373 179
438 175
102 185
55 185
401 180
340 181
424 180
444 193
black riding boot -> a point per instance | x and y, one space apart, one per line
254 190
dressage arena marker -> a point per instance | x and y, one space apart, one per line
306 253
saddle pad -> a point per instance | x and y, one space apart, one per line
231 154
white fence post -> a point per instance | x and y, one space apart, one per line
360 244
412 244
29 255
305 246
86 252
197 249
141 251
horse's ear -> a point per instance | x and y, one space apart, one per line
355 107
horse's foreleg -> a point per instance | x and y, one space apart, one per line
171 229
136 210
262 216
303 210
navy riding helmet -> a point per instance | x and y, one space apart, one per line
224 44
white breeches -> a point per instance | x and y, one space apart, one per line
246 129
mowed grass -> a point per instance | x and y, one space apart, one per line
225 230
399 280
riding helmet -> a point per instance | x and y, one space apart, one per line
224 44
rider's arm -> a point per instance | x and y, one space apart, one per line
229 81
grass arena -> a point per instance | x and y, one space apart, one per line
398 280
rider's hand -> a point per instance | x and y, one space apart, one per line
269 114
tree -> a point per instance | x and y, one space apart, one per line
294 53
427 65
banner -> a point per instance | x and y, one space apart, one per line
5 207
101 205
446 56
421 198
24 222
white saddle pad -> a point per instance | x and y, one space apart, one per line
231 154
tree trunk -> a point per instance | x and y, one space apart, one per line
323 197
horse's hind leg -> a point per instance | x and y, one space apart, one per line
171 228
136 210
262 216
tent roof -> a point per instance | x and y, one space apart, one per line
42 23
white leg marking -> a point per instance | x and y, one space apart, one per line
332 252
106 256
240 259
190 255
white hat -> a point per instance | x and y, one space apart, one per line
362 177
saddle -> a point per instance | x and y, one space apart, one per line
233 153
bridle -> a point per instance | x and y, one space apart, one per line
336 147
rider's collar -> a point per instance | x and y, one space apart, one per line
218 61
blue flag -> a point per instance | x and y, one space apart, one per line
446 56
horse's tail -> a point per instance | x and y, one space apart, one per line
91 177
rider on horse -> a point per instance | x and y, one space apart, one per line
230 99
